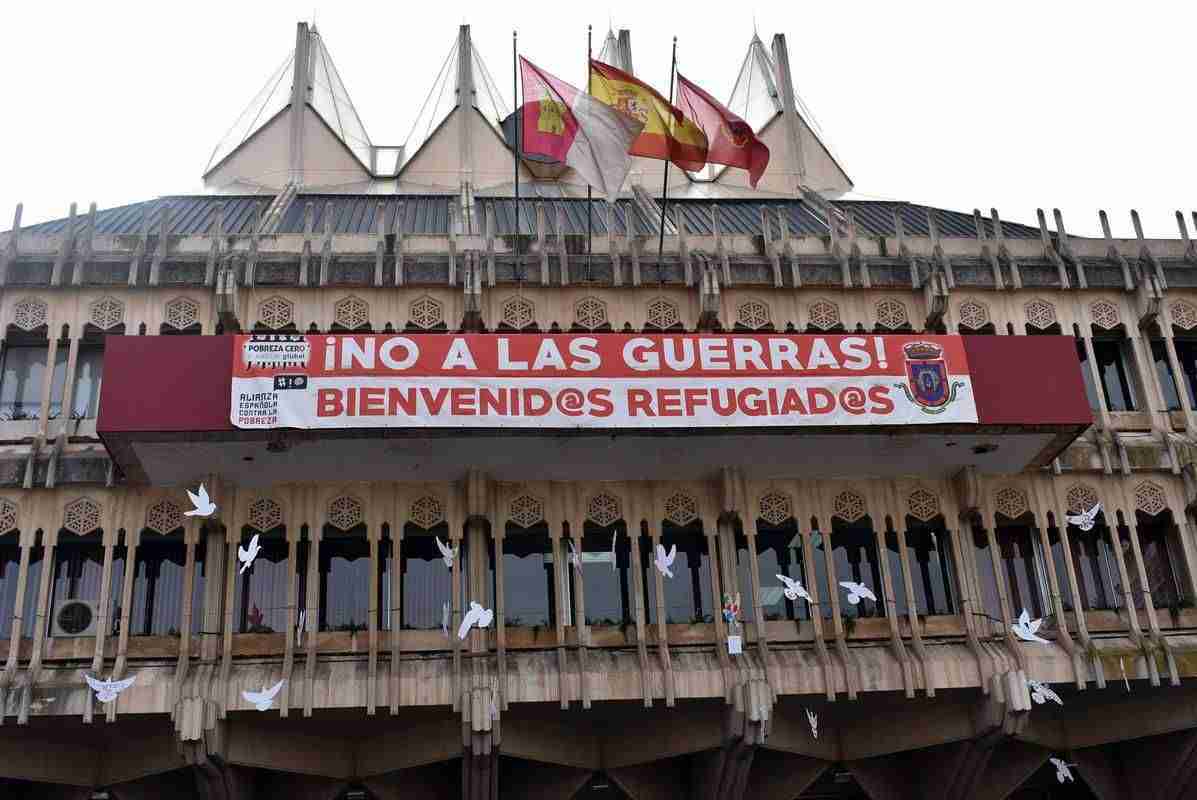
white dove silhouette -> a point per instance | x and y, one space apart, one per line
1026 628
663 561
203 506
1085 519
813 719
263 700
794 589
1063 773
574 558
477 615
106 691
247 555
447 553
1041 692
858 590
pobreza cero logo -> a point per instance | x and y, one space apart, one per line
276 351
928 385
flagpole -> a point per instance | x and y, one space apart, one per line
589 223
665 182
515 99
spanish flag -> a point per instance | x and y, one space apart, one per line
668 134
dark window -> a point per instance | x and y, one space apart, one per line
1155 543
854 548
427 584
21 381
262 588
345 579
10 565
932 575
1111 368
529 593
1163 370
608 585
687 595
822 580
990 598
197 587
158 585
1186 354
1016 544
1082 355
32 582
778 552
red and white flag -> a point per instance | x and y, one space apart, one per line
568 125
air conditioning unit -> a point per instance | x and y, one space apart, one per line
75 618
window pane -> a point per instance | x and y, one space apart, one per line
158 587
985 575
1186 354
931 572
86 394
1082 355
345 580
10 564
1163 370
688 592
779 552
608 588
826 586
528 576
58 380
197 588
21 382
1018 563
427 584
262 588
1157 563
855 551
32 584
894 558
1112 369
1094 567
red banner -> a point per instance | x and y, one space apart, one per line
598 381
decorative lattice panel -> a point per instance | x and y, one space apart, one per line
345 513
1040 314
265 514
775 508
1080 498
1184 315
426 313
1011 502
105 313
8 517
526 511
276 312
163 517
663 313
753 315
351 312
81 516
590 313
681 509
1150 498
973 315
182 312
848 506
824 314
427 512
891 314
1104 314
603 509
29 313
518 312
923 505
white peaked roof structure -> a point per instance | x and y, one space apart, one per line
302 133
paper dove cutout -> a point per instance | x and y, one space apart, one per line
263 700
1085 519
856 591
477 615
663 562
1041 692
1026 628
574 558
813 719
1063 773
203 506
445 618
106 691
447 553
247 555
794 589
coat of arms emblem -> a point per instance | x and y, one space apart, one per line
928 384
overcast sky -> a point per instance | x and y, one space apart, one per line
1014 105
